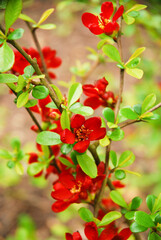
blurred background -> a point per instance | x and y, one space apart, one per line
25 202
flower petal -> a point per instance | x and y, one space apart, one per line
93 123
77 121
92 102
67 136
97 134
118 13
95 29
81 146
90 90
91 231
125 233
68 236
61 194
60 206
111 27
88 19
67 180
107 9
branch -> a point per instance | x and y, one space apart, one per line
92 149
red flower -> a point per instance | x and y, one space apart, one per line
102 23
83 132
50 58
97 94
75 236
70 190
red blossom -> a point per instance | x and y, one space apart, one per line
74 236
98 96
102 23
83 131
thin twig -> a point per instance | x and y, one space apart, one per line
92 149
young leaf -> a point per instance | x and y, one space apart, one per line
40 92
78 108
128 19
143 219
86 214
137 108
116 135
154 236
45 15
19 168
26 18
64 120
120 174
30 103
74 94
29 71
136 53
118 199
136 202
136 7
58 92
87 165
109 114
48 26
35 168
126 159
104 141
51 105
12 12
157 204
21 83
150 200
16 34
8 78
66 162
109 217
130 215
22 99
136 228
7 58
133 63
128 113
112 53
48 138
135 72
5 154
113 158
148 102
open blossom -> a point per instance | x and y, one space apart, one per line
51 60
83 131
98 96
102 23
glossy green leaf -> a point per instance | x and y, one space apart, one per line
136 228
126 159
137 53
104 141
118 199
1 40
8 78
136 7
135 72
66 162
30 103
128 19
7 58
78 108
66 148
113 158
143 219
29 71
87 165
148 102
157 204
154 236
64 120
130 215
35 168
12 12
45 15
26 18
48 26
51 105
40 92
112 53
128 113
136 202
74 94
58 92
133 63
109 217
150 200
137 108
116 135
48 138
3 4
120 174
86 214
22 99
109 114
16 34
21 83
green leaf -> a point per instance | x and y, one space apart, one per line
135 72
137 108
58 92
1 40
12 12
29 71
15 143
150 200
8 78
133 63
35 168
22 99
87 165
7 58
45 15
126 159
154 236
112 53
143 219
48 138
157 204
130 215
109 114
30 103
66 162
86 214
51 105
19 168
148 102
48 26
128 113
113 158
16 34
10 164
136 53
118 199
136 7
26 18
66 148
116 135
104 141
3 4
136 228
21 83
40 92
136 202
128 19
74 94
5 154
109 217
64 120
78 108
120 174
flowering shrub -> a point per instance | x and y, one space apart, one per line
69 133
